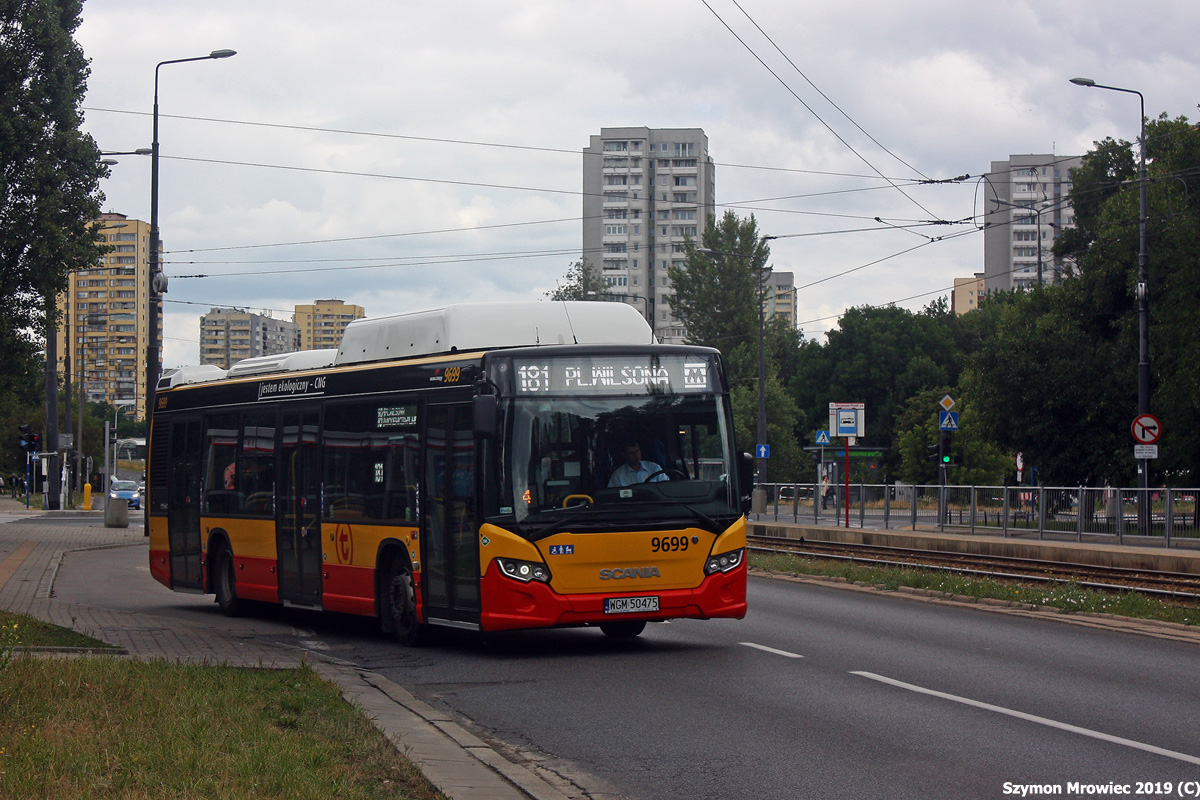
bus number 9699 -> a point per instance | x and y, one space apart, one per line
668 544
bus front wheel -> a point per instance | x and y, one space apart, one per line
226 585
402 606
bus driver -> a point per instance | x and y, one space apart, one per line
634 470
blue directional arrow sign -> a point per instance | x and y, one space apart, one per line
822 437
763 450
948 420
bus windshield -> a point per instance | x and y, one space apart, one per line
599 463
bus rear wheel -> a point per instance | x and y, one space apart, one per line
402 606
626 629
226 585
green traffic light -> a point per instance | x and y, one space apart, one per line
946 459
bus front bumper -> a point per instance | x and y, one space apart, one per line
511 605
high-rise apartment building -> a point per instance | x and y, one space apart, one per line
227 335
645 192
102 339
1027 206
779 297
320 325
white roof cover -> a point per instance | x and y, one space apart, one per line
193 374
283 362
485 326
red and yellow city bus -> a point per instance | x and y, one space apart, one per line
455 468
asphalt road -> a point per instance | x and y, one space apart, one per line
818 693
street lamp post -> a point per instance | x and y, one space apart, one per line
1143 298
158 283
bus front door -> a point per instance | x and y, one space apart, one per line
450 544
297 528
183 504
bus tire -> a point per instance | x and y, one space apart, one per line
625 629
401 605
225 585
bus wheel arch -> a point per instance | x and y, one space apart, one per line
218 540
224 580
396 598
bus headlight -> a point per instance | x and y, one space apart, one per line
524 571
724 562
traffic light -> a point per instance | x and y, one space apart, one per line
947 440
26 439
931 453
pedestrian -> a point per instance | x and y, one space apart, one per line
12 481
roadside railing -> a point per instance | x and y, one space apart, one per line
1165 517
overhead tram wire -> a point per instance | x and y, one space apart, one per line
467 258
467 142
788 59
809 108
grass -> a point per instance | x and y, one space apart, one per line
101 727
1067 597
20 630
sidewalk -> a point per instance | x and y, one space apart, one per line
458 763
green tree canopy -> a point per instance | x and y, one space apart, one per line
49 188
581 282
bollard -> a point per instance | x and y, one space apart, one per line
87 497
117 513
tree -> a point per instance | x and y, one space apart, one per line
1046 385
52 170
49 189
718 293
975 459
881 357
1073 349
581 282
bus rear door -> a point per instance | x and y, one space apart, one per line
297 528
183 504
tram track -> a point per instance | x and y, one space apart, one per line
1176 587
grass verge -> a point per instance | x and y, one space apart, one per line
20 630
102 727
1067 597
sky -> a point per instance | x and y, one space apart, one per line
402 155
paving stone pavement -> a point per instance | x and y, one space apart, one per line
461 765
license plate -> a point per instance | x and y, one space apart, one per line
630 605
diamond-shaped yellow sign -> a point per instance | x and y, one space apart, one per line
946 403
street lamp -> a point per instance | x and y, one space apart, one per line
1143 298
158 283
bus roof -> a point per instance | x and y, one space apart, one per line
453 328
485 326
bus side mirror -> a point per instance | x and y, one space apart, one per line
746 481
485 415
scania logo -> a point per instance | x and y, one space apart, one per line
620 573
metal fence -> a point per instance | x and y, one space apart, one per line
1166 517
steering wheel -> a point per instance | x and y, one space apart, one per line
667 472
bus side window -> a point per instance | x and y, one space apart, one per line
256 467
369 460
220 455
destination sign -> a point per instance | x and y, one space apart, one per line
615 375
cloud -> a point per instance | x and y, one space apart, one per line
946 87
